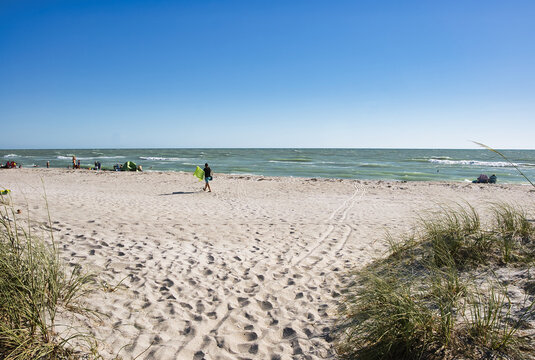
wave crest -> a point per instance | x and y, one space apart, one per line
157 158
478 163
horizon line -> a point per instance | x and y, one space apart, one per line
264 148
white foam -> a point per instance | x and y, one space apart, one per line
99 157
156 158
474 163
60 157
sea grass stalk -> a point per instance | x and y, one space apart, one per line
506 159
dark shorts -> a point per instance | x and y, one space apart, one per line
207 179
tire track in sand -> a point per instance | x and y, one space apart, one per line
338 217
293 277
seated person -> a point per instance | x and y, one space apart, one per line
492 179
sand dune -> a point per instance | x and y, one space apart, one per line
252 270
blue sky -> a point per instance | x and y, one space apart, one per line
414 74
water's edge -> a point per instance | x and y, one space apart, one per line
366 164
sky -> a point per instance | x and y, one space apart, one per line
290 73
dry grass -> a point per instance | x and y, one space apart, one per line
424 302
34 288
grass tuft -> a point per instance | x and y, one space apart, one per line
427 299
34 289
516 233
385 321
453 235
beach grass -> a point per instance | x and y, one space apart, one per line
35 287
437 296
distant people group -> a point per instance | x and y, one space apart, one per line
77 165
484 179
10 165
127 166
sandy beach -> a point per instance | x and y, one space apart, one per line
252 270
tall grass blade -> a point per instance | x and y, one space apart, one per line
506 159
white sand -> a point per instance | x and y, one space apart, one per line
252 270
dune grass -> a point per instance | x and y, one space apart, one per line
34 288
427 299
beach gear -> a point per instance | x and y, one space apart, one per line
5 192
129 166
9 165
199 173
483 178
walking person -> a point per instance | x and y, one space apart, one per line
207 177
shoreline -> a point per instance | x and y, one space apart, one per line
256 176
254 269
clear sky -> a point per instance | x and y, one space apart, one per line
290 73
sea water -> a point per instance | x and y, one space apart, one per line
383 164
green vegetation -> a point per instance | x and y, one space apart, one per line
437 295
34 289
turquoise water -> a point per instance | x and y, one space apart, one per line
384 164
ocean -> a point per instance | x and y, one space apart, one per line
384 164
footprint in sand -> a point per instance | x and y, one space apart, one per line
248 348
250 336
212 315
186 306
288 332
266 305
168 282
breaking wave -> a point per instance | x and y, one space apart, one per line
478 163
157 158
61 157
